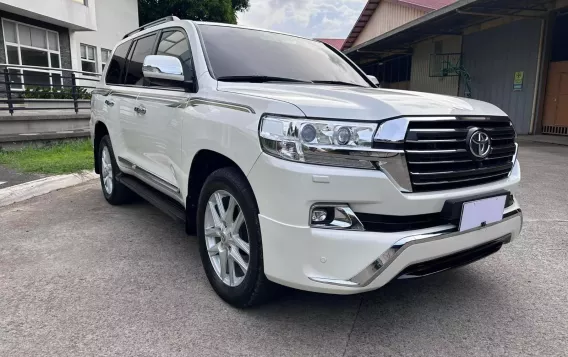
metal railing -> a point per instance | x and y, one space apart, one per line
44 88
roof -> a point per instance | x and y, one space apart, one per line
371 6
335 42
449 20
429 4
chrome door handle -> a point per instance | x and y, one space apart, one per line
110 103
140 109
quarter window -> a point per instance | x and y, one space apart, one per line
32 46
88 58
116 67
142 48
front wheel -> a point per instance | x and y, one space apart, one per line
230 240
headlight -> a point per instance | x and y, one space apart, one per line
324 142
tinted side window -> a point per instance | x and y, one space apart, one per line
116 66
142 48
174 43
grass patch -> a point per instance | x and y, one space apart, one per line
57 158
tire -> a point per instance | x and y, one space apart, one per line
115 192
236 286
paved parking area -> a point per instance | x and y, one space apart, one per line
79 277
10 177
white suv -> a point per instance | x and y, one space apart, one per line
294 167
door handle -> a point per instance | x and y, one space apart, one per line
110 103
140 109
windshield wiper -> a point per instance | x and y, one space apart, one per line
259 79
338 82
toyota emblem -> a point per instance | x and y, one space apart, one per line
479 144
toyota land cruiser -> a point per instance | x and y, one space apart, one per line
293 167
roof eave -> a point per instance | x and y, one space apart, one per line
429 16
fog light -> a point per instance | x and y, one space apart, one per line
334 216
319 215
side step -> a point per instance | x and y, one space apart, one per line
164 203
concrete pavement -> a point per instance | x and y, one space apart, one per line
79 277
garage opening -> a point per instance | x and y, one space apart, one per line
555 116
392 72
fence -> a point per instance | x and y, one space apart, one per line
43 89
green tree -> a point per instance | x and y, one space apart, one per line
199 10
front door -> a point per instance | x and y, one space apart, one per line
555 120
134 121
162 149
164 103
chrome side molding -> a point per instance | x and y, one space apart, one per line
150 176
195 101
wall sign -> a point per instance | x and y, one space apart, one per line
518 83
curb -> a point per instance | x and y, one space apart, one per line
42 186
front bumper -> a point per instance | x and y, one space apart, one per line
348 262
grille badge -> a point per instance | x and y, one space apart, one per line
478 143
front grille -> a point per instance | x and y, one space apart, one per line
438 157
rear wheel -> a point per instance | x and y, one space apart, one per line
115 192
230 240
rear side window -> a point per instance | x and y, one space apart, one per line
142 48
175 43
116 66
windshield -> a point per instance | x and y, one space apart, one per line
237 52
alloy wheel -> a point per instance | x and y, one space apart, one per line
227 238
106 168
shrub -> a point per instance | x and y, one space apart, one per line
55 93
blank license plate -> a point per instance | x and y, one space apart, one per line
479 213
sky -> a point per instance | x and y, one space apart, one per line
309 18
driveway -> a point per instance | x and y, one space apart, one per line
79 277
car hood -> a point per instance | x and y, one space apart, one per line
346 102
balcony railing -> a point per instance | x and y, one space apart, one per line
40 88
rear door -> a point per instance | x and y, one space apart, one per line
110 103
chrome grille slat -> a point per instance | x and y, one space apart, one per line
436 141
438 130
464 172
438 157
453 161
425 152
461 180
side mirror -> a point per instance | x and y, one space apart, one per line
373 79
163 67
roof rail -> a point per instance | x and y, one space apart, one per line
152 24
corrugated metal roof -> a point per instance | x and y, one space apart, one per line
449 20
372 5
429 4
335 42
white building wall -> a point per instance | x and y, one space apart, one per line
420 79
115 18
66 13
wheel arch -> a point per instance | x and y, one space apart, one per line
204 163
100 131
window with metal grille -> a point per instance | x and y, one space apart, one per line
445 64
31 46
